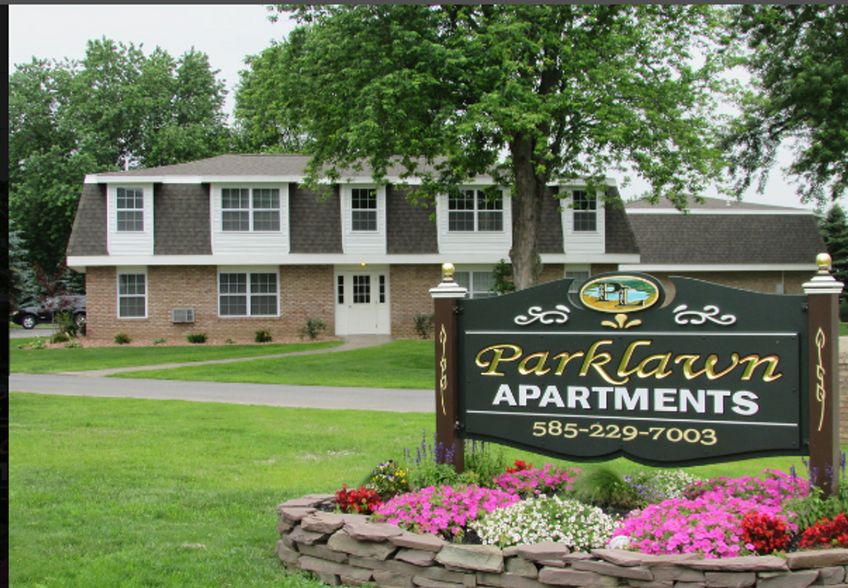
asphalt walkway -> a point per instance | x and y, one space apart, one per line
93 383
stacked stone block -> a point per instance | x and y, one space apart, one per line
349 550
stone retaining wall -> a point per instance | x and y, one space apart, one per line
347 549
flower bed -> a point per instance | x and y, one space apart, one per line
352 550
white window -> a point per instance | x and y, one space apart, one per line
478 283
363 209
247 294
246 209
472 210
132 295
129 210
585 211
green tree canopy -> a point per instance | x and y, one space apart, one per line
834 231
116 109
531 94
799 64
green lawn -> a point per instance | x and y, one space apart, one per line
404 363
44 361
132 493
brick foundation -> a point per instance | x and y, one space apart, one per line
349 550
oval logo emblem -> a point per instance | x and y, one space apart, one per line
617 294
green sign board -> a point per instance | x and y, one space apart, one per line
618 368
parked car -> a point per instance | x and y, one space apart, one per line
30 316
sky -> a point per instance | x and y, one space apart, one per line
226 33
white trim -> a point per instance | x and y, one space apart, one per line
248 243
736 267
363 242
134 271
728 212
247 270
79 261
129 243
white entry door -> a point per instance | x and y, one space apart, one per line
362 301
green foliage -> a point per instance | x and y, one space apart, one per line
73 345
834 232
159 340
312 329
196 338
484 461
122 339
502 275
262 336
605 486
67 323
116 109
564 91
36 343
798 59
388 479
59 338
814 506
423 324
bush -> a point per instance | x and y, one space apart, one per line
423 324
579 526
196 338
59 338
159 340
262 336
122 339
67 324
312 328
843 311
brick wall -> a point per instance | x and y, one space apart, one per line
305 292
410 294
765 282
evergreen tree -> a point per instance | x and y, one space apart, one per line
834 231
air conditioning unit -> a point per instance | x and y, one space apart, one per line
182 315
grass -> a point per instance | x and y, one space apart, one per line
142 493
404 363
45 361
137 493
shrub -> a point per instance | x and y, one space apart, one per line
423 324
528 481
605 487
59 338
37 343
362 501
229 341
579 526
196 338
312 328
843 310
122 339
442 510
159 340
262 336
67 324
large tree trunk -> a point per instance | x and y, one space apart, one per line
530 188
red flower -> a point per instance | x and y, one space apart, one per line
361 501
520 465
766 533
826 534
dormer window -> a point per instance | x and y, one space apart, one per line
246 209
585 207
474 211
129 210
363 209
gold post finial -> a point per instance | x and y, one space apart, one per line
447 272
824 261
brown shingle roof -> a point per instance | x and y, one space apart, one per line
730 239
